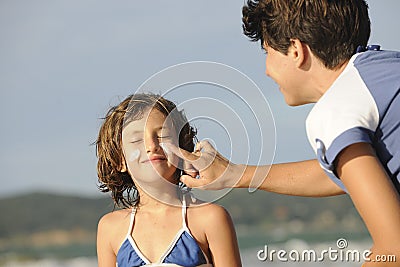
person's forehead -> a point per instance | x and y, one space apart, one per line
154 119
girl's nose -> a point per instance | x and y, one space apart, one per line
152 145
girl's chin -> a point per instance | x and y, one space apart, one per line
156 176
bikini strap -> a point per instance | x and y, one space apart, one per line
184 211
132 221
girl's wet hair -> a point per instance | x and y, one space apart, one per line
109 143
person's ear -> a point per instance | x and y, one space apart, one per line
299 52
122 167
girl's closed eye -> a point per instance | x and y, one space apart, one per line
136 141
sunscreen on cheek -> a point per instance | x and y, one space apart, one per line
134 155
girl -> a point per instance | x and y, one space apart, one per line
157 225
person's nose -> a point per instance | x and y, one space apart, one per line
152 144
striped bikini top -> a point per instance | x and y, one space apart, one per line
183 250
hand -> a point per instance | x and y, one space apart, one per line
215 171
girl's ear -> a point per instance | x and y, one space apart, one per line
123 167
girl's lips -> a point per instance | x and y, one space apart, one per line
155 158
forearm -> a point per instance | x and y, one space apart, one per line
383 258
304 178
375 198
215 172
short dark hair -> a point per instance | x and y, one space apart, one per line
109 143
333 29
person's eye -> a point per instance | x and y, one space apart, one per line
136 141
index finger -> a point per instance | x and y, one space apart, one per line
200 161
181 153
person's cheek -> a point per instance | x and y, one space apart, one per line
172 159
134 155
132 158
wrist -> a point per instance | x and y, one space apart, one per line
253 177
241 172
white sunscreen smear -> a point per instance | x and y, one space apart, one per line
134 155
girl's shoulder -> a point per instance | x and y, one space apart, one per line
115 217
113 228
208 213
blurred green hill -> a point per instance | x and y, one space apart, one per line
38 212
43 225
40 225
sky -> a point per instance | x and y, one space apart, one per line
64 63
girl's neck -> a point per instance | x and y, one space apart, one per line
159 197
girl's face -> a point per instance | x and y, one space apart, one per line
145 158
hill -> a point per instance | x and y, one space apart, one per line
38 212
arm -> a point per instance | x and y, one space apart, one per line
221 238
305 178
105 253
374 197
